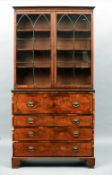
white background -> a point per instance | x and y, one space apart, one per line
102 85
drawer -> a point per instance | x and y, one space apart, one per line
53 133
56 149
53 102
52 120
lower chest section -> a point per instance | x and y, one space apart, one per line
53 124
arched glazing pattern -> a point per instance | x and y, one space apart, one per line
24 22
24 33
33 49
64 22
82 23
65 39
24 47
42 39
42 23
42 47
73 49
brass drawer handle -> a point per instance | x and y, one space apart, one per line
30 103
30 120
76 121
30 133
31 149
75 104
76 133
75 149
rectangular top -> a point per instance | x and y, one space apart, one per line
91 7
54 8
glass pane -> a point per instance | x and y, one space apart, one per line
42 50
24 75
24 23
73 49
42 76
42 23
33 49
24 56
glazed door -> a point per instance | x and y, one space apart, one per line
73 50
33 50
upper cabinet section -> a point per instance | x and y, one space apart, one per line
53 47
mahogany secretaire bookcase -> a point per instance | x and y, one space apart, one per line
53 96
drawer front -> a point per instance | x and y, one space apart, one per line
53 149
55 133
53 102
53 120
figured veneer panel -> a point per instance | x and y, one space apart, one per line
53 102
53 149
52 120
55 133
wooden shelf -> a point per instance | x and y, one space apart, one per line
39 44
60 64
58 29
71 39
24 65
74 29
35 30
79 65
35 65
79 44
